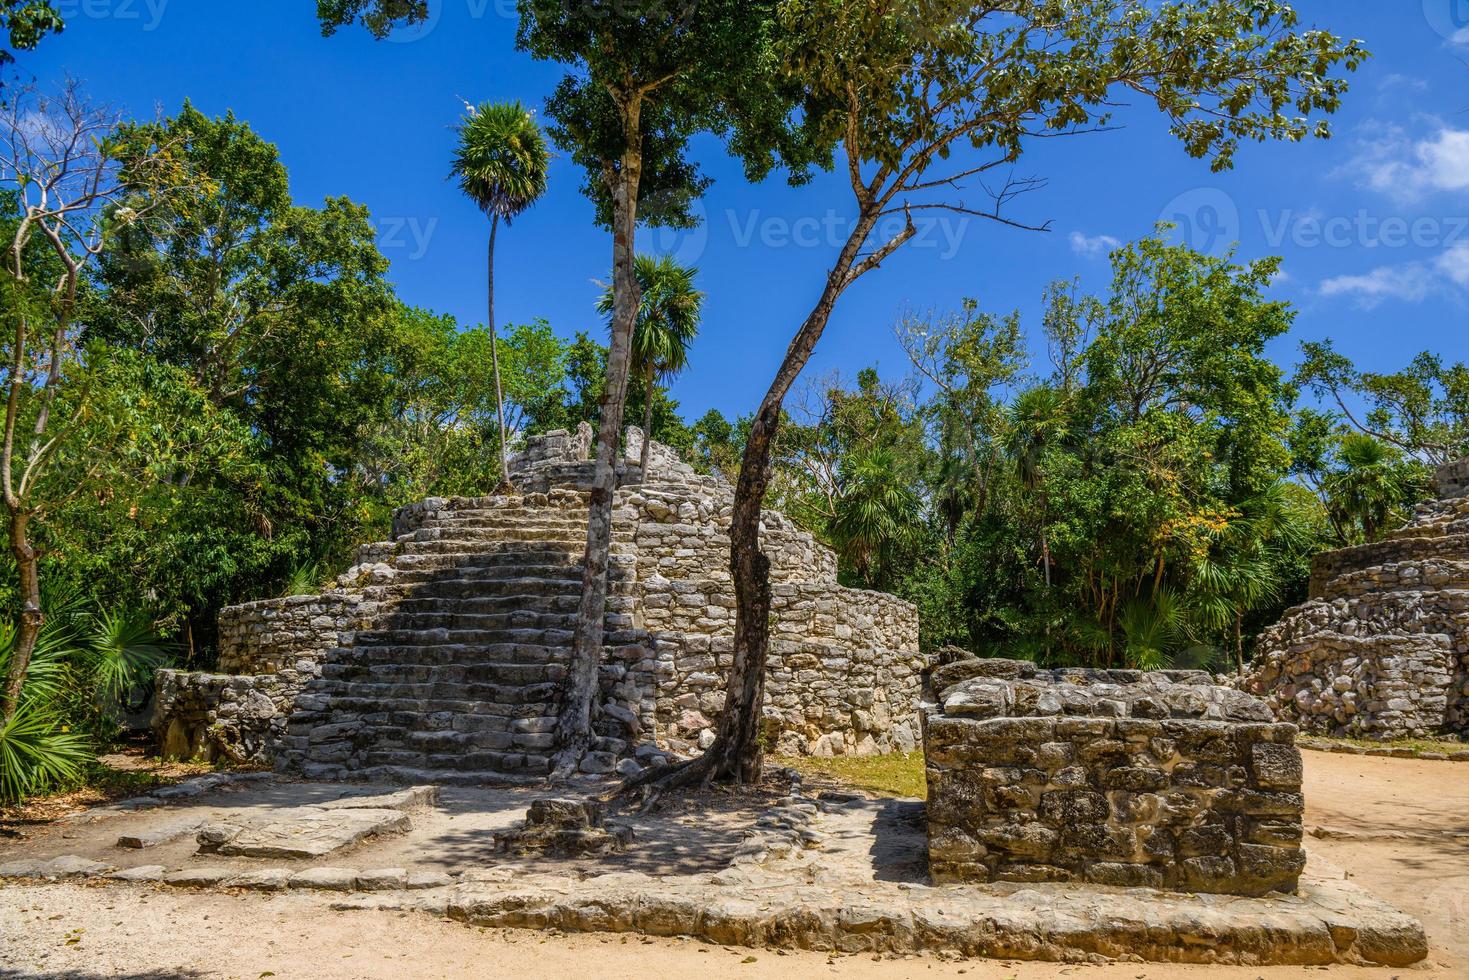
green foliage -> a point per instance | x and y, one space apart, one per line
501 159
1422 410
25 23
1130 507
85 665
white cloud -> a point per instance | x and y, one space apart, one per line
1395 81
1412 282
1409 283
1094 247
1407 168
1455 264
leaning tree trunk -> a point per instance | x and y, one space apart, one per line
647 431
505 485
27 566
737 752
574 725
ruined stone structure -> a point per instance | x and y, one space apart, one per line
1381 650
1115 777
440 654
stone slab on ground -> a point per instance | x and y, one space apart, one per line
160 833
1331 921
301 833
65 866
408 799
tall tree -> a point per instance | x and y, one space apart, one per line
282 315
501 164
904 88
644 77
70 171
668 322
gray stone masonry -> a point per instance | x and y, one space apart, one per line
1381 650
439 655
1126 778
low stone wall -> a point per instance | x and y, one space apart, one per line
1327 568
274 635
1380 686
217 717
1109 777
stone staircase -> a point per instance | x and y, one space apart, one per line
458 679
1381 649
441 654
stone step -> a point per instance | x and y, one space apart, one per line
496 553
1384 581
459 587
416 603
1335 564
471 640
520 619
410 599
508 769
417 579
472 566
467 694
414 775
562 524
349 710
466 674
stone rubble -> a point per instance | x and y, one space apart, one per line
564 828
1381 650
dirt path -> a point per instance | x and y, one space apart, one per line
1400 829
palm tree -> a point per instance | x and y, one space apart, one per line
501 164
667 323
1038 420
1372 490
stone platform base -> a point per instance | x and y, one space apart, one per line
1330 921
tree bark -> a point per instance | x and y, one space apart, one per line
32 618
505 485
574 724
647 431
737 752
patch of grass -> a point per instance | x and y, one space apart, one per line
898 775
1444 745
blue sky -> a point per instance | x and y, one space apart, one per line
1373 225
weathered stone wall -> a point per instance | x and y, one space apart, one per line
1110 777
217 717
1381 650
276 636
1453 480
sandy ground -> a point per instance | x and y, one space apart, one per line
1399 827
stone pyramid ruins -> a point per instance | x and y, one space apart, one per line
440 654
1381 650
